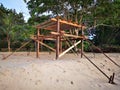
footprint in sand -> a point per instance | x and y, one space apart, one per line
71 82
64 71
37 82
30 79
108 69
57 80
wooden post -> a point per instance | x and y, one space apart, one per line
38 45
60 44
82 45
58 39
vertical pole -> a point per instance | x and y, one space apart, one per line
60 44
82 45
38 45
58 39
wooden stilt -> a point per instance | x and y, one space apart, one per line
82 45
58 39
38 45
60 44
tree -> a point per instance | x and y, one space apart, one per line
8 21
96 14
107 28
69 9
8 24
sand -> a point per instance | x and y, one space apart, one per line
70 72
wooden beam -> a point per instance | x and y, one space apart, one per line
96 66
38 45
67 35
66 22
58 39
51 39
67 42
69 49
66 27
16 50
60 44
82 43
44 23
74 36
55 33
53 29
49 24
44 45
48 46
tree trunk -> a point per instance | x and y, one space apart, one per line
8 41
76 16
9 49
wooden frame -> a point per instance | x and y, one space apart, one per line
58 28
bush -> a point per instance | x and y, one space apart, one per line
87 46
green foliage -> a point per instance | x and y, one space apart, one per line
69 9
103 15
87 46
36 20
13 30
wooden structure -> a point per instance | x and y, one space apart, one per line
57 32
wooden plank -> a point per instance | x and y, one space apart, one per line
67 42
47 28
47 25
50 24
74 36
55 33
69 49
49 38
66 26
67 35
47 46
44 23
66 22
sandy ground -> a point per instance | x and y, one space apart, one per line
22 72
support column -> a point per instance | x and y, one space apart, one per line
82 41
58 39
60 44
38 44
